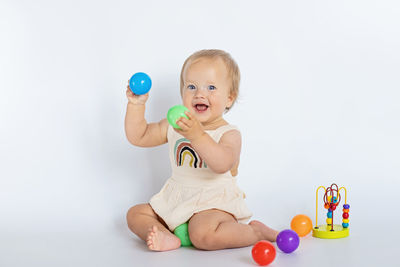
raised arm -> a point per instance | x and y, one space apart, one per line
137 130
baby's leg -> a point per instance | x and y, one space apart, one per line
144 222
215 229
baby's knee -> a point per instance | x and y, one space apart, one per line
136 210
202 239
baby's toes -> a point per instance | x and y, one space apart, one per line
149 237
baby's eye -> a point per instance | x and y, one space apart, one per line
211 87
191 87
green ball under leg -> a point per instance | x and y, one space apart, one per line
182 233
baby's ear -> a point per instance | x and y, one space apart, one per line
231 99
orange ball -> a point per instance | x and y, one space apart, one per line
301 224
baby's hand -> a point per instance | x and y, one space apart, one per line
191 128
136 99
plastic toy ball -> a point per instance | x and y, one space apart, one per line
301 224
182 233
175 113
288 241
263 252
140 83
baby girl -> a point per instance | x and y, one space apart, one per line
204 155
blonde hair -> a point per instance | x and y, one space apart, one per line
230 63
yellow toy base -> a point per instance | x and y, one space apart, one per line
324 231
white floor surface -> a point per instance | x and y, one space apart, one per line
118 247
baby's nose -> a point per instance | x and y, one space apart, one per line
201 91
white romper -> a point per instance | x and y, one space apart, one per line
193 187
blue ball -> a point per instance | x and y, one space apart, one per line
346 206
329 214
140 83
345 225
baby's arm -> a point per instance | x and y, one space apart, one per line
220 157
137 130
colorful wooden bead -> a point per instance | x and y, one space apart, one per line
346 206
346 210
332 206
329 214
329 220
345 215
345 225
326 206
346 220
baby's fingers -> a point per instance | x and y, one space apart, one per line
186 121
129 92
190 116
183 125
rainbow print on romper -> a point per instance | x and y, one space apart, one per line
184 150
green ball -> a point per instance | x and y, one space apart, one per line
175 113
182 233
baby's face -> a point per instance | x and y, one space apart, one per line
206 89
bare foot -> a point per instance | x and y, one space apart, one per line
161 241
264 232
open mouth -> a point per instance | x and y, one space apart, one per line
200 108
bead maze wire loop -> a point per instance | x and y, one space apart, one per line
316 207
330 191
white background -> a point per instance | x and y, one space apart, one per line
319 103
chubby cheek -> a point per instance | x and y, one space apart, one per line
217 103
187 102
219 109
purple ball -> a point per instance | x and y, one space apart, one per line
288 241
